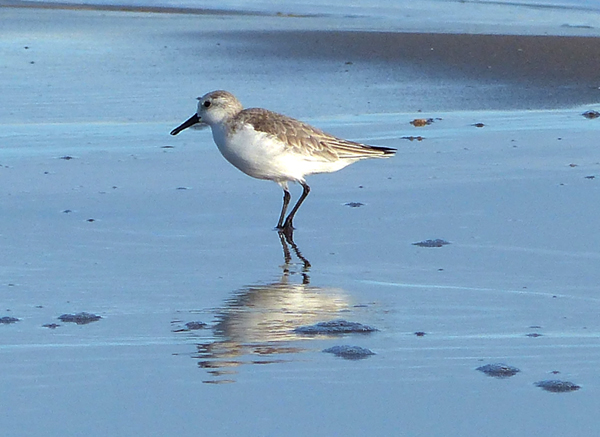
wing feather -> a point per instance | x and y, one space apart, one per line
307 140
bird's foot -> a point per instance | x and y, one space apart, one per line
286 229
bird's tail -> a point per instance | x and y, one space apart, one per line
386 151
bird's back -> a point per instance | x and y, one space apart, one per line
303 139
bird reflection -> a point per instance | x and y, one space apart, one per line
255 325
286 236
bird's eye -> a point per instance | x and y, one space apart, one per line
206 104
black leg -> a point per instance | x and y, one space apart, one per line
286 201
290 218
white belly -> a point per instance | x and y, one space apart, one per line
264 157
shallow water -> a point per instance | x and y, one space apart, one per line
180 236
373 8
520 262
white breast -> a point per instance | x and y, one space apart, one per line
254 153
264 157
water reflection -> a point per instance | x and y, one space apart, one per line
255 325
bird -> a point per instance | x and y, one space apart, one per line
272 146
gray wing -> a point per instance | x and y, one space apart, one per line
304 139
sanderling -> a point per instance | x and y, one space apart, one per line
268 145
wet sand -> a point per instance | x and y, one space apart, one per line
152 232
446 71
543 60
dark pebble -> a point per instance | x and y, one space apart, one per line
79 318
354 204
51 325
349 352
431 243
8 320
195 325
191 326
335 327
66 157
420 334
591 114
557 386
498 370
478 125
534 335
413 138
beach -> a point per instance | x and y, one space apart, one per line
104 213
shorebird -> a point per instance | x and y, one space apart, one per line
267 145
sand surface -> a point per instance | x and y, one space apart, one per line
103 212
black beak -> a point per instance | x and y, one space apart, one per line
194 119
